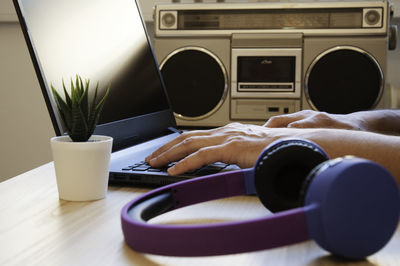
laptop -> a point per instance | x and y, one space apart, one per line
106 41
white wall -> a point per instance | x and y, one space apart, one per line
7 12
25 124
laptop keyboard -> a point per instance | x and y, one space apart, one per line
205 170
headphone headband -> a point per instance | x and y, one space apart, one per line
211 239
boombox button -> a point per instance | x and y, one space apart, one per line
168 20
372 17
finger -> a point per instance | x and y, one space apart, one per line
281 120
305 123
320 119
317 124
285 120
184 148
174 142
204 156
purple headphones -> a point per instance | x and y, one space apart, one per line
349 206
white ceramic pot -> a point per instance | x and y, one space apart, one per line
82 168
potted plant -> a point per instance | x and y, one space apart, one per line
81 159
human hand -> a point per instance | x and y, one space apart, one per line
235 143
314 119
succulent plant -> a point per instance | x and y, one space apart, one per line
79 114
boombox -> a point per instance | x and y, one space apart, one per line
247 62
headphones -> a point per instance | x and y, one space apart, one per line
349 206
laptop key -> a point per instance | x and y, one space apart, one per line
171 164
156 170
140 168
205 170
219 164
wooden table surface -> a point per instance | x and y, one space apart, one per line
37 228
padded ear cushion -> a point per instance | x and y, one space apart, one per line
307 181
281 170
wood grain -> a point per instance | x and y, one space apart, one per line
36 228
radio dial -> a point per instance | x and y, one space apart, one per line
372 17
168 20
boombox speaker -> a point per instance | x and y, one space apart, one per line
247 62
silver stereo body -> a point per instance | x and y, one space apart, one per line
249 61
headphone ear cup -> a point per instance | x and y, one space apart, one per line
357 207
307 181
281 170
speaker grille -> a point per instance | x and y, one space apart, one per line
343 81
196 82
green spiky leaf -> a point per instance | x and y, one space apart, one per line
79 114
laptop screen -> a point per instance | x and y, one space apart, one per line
101 40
